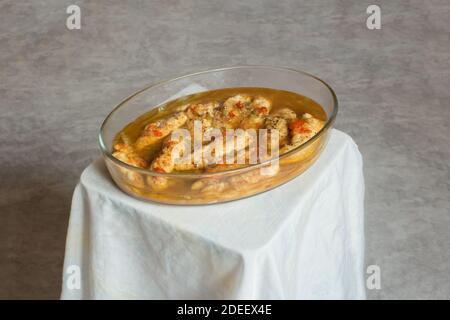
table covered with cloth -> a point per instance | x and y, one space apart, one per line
302 240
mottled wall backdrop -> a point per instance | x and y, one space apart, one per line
57 85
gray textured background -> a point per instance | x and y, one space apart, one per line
56 86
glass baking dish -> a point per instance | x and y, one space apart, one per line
241 182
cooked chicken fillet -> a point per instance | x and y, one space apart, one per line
259 109
125 153
160 129
302 130
288 114
173 149
233 112
274 122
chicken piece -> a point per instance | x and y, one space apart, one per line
214 185
125 153
209 185
261 105
302 130
210 155
276 122
165 162
160 129
238 182
204 113
196 111
231 144
259 109
286 113
236 103
313 124
205 124
233 112
173 149
241 182
305 128
280 120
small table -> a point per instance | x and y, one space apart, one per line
302 240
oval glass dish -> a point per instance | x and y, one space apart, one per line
236 183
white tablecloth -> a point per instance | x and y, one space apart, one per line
302 240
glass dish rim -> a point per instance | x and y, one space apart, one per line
109 155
